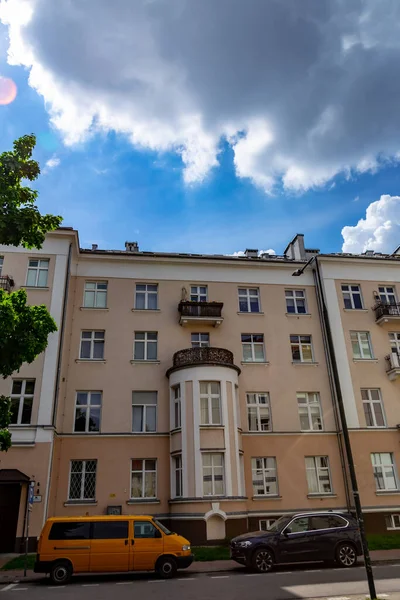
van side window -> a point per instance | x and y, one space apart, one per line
110 530
70 531
144 529
327 522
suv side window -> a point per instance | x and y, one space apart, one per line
298 525
327 522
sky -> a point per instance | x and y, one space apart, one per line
209 126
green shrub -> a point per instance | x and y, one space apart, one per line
383 542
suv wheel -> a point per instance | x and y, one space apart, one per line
263 560
346 555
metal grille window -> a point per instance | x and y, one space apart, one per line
82 480
92 345
177 412
394 339
87 412
146 296
352 297
373 409
144 478
198 293
259 412
392 521
296 301
213 474
95 295
22 393
210 403
253 347
144 412
145 346
178 475
361 344
265 480
309 411
249 300
200 340
318 475
301 348
38 271
384 471
387 294
265 524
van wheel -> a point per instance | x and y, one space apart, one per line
263 560
166 567
346 555
61 572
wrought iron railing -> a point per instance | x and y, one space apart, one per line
203 356
200 309
382 309
6 283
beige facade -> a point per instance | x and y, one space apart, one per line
196 388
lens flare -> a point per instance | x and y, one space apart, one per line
8 90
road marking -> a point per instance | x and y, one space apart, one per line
124 583
254 574
314 571
9 587
156 581
339 598
55 587
187 579
220 577
90 585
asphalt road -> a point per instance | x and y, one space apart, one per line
285 584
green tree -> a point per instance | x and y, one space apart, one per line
24 329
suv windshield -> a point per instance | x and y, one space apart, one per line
279 524
162 527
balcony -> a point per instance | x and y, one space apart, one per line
200 313
6 283
393 366
386 313
192 357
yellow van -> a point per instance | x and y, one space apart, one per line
109 544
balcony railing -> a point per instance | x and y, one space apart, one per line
209 313
386 312
393 365
6 283
190 357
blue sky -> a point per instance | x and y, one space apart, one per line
113 191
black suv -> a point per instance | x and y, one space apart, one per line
302 537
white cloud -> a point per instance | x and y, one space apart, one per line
302 91
52 162
379 231
260 252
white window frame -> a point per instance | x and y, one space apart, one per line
196 295
146 343
146 293
300 344
257 405
309 405
394 339
351 294
88 406
209 397
266 472
1 264
244 295
213 474
38 269
290 294
318 471
253 344
176 401
392 521
387 294
372 403
380 465
268 523
144 408
97 293
178 473
143 471
83 475
21 398
358 335
197 342
93 340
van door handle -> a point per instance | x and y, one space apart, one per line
126 542
132 542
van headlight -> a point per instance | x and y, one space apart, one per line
244 544
185 548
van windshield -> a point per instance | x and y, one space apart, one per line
162 527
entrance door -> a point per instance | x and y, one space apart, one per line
110 546
148 545
10 495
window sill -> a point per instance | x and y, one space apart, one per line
368 360
146 310
305 363
176 430
91 360
264 363
392 528
387 492
212 427
254 432
242 312
322 495
99 308
35 287
80 503
144 362
267 497
143 501
356 310
298 314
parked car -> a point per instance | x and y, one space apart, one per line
109 544
302 537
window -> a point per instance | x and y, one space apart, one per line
213 474
1 263
95 295
200 340
145 529
373 409
146 296
92 345
265 524
298 525
392 521
249 300
352 296
387 294
301 348
70 531
253 347
384 471
110 530
82 480
327 522
394 339
87 412
177 412
210 403
265 481
318 475
22 393
309 411
38 271
361 344
178 475
296 301
259 412
144 412
144 478
198 293
145 347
